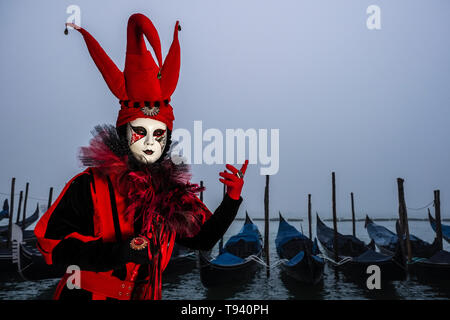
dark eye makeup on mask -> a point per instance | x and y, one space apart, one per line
159 132
139 130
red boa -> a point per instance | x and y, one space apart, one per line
160 191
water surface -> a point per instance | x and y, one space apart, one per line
187 284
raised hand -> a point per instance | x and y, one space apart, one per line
234 180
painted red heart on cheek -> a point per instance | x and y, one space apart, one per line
135 137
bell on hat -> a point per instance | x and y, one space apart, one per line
144 87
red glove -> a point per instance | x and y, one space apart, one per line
234 181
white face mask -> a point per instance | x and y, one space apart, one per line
147 139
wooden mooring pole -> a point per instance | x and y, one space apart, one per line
11 211
25 205
353 215
266 225
19 207
437 216
333 195
309 216
403 215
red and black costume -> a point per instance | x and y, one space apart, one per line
116 198
90 225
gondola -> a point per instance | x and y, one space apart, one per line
300 254
26 261
28 237
433 269
28 221
445 228
236 263
22 261
7 263
31 264
387 241
354 256
182 260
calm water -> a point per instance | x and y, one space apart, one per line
187 284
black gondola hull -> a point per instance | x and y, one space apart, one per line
299 254
435 269
307 272
181 264
360 256
390 270
32 266
428 272
388 242
213 275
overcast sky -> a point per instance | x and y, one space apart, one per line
371 105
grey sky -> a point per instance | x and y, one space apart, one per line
371 105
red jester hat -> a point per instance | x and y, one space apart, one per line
144 87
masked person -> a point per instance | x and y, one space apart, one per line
118 220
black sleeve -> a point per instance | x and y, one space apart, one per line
91 256
215 227
74 213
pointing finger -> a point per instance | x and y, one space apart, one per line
244 167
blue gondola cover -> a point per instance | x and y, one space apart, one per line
227 259
384 237
299 257
287 232
249 233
